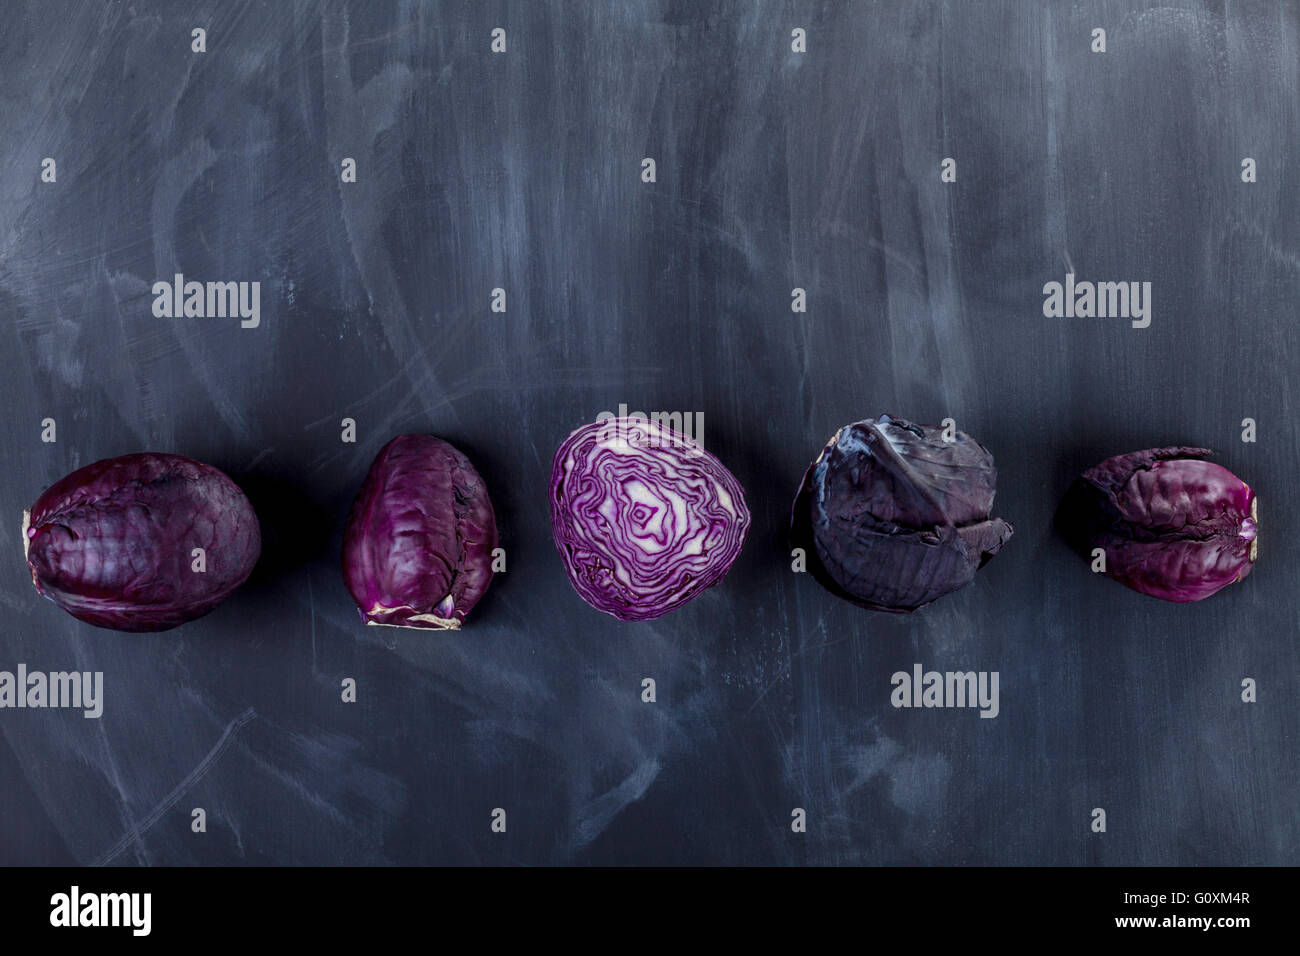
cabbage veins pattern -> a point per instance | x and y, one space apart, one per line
644 518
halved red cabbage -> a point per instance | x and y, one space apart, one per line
644 518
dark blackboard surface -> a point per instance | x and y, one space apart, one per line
775 170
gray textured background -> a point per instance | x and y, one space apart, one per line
775 170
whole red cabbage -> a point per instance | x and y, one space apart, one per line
643 517
893 516
418 547
112 543
1170 524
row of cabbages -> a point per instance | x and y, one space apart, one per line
890 516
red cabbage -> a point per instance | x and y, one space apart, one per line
112 543
1171 525
892 517
644 518
417 551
